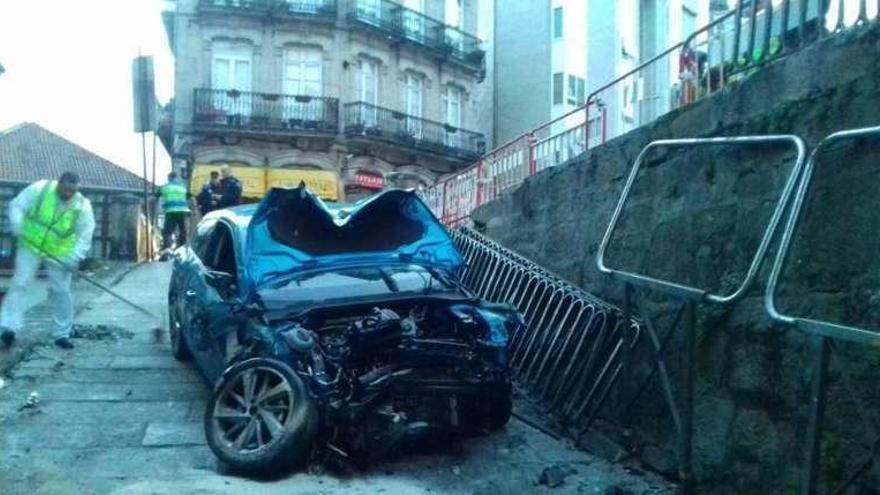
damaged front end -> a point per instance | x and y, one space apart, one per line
351 336
408 374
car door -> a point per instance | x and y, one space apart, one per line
207 314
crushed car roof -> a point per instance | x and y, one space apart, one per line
292 230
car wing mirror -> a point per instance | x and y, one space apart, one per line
224 282
219 279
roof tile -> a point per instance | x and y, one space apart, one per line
29 152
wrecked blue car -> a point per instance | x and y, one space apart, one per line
335 330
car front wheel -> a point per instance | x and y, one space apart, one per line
179 349
260 418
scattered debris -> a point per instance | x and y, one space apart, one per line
555 475
101 332
456 470
32 401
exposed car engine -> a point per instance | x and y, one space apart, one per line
382 380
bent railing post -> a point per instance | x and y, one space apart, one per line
691 295
825 332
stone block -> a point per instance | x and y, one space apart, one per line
174 434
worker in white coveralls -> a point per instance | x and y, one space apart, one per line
54 224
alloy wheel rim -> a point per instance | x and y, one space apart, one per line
251 409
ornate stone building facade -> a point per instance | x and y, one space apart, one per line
374 92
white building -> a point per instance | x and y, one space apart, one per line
549 55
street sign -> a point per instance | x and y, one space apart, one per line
144 94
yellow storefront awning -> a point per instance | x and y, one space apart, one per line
324 183
257 180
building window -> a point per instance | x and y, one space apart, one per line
413 21
413 91
369 87
369 81
231 69
453 17
453 106
558 82
575 90
302 72
413 97
454 99
557 23
453 14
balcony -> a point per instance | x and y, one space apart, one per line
413 27
264 114
276 9
372 122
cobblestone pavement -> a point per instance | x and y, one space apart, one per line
119 415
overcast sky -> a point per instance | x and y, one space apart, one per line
68 68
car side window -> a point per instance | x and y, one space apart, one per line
220 251
201 238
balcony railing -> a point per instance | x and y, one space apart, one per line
263 112
415 27
364 119
310 8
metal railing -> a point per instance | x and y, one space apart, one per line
678 76
364 119
244 110
828 332
410 25
277 8
756 32
558 141
572 350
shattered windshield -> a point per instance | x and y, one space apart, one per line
384 224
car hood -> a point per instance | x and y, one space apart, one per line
293 230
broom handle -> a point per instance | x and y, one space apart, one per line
91 280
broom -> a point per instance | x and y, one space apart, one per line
157 331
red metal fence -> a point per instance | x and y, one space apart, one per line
730 47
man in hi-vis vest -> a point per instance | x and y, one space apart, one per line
54 224
175 203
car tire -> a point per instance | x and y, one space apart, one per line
238 422
485 414
179 349
499 413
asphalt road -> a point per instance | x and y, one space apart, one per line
119 415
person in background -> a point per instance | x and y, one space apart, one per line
54 224
206 198
173 198
230 189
